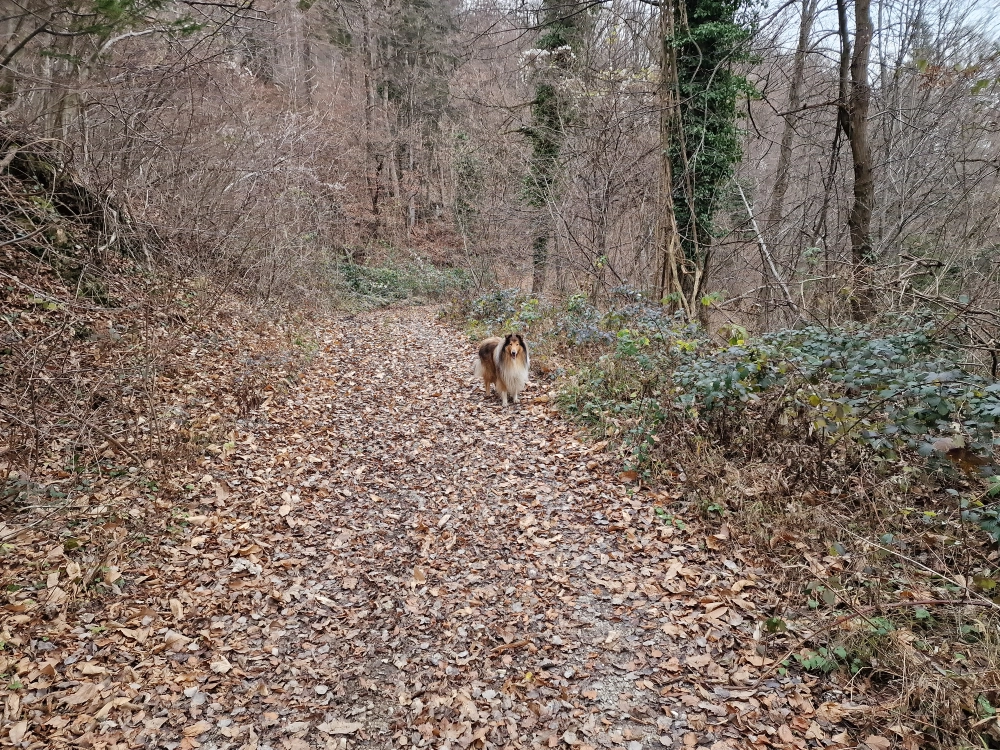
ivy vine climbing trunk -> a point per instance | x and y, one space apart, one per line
546 138
703 42
563 26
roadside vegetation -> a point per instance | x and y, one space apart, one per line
858 461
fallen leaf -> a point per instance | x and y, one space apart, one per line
105 710
221 665
197 729
84 693
785 734
831 712
338 726
175 641
876 742
17 731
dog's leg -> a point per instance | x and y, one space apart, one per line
517 397
503 397
486 386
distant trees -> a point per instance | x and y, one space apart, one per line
562 28
59 42
566 145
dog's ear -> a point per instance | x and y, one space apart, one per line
520 339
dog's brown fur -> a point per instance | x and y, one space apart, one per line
503 362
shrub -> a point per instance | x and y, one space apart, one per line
887 391
379 286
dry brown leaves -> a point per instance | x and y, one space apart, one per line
381 558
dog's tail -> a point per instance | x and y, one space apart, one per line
477 366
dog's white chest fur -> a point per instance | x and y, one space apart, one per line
514 374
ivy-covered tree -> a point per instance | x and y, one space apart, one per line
563 29
705 42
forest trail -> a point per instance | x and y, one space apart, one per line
440 571
382 558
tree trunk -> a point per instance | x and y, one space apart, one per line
853 116
668 284
539 262
373 159
783 171
563 28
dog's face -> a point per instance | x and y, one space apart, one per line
514 345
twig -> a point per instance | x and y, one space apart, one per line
38 522
38 293
508 647
17 240
985 602
767 253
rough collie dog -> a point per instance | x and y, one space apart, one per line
503 362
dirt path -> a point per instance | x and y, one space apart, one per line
442 571
384 559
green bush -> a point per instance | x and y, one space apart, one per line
379 286
888 391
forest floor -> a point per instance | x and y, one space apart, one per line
383 558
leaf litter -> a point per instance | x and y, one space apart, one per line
381 558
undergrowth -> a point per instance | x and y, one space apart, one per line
865 451
117 377
392 282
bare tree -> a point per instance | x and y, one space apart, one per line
852 112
